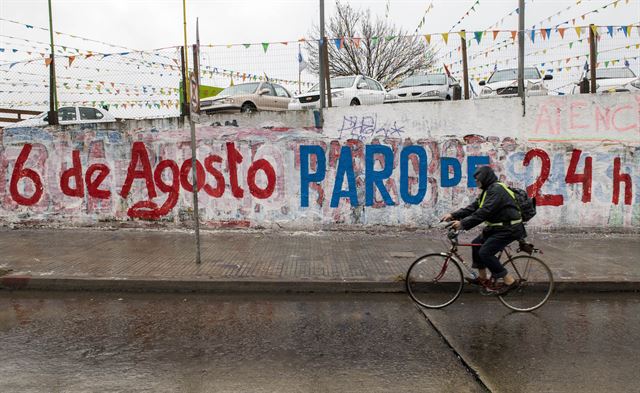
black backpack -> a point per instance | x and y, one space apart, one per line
526 205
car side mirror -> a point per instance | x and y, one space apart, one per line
362 85
482 83
547 77
263 92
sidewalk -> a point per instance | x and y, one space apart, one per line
135 260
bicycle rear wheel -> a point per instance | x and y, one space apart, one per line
536 283
434 280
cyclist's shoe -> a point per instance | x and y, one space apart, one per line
505 289
476 281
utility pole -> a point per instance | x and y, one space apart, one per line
186 48
195 111
321 59
593 59
465 69
53 93
521 54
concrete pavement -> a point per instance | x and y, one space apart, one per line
322 261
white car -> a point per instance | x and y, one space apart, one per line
431 87
69 115
345 91
504 83
612 80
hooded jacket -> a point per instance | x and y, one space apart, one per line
498 205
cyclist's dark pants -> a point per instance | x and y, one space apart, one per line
494 241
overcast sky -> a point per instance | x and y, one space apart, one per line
148 24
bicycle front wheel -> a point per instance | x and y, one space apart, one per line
536 283
434 280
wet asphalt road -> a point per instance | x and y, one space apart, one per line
110 342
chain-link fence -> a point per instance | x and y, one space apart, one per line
144 84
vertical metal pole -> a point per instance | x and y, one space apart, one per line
194 173
321 58
521 54
327 76
593 60
184 110
186 57
465 68
53 93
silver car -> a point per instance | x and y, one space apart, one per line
431 87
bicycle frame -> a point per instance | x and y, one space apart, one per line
453 254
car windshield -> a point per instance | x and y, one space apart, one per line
245 88
512 74
424 80
337 83
612 73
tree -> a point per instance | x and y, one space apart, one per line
372 48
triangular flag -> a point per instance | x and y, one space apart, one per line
533 36
245 45
610 30
445 37
561 31
578 31
265 45
495 34
594 28
374 41
71 59
356 41
47 61
543 33
427 37
571 44
513 35
463 34
606 64
338 42
627 31
478 35
390 37
88 55
549 33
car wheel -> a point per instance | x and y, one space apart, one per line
354 102
248 107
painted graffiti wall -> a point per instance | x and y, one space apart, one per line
400 165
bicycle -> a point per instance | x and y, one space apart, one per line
436 280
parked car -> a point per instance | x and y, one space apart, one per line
69 115
345 91
247 97
504 83
431 87
612 80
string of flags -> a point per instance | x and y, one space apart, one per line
533 27
424 17
472 9
127 104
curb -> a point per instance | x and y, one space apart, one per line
22 282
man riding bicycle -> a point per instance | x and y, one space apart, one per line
498 209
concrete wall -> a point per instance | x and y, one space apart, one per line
400 165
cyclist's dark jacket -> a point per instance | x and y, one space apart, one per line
498 207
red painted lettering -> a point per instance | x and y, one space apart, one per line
93 185
534 189
615 116
585 178
139 154
265 166
619 178
604 118
18 173
219 189
235 158
185 179
573 115
75 173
